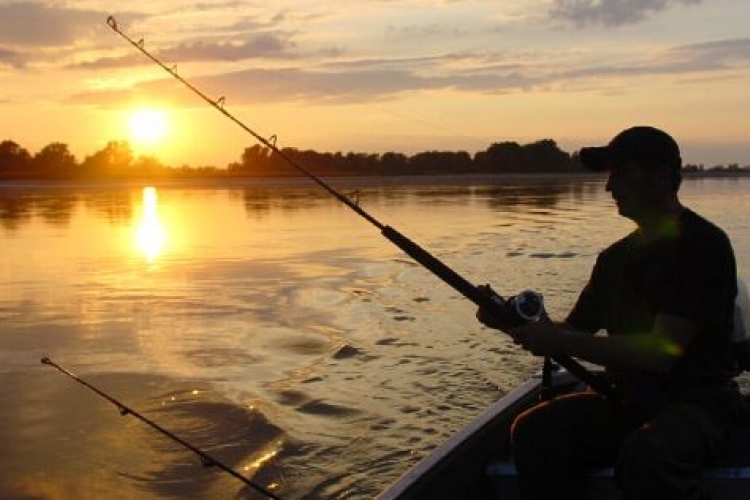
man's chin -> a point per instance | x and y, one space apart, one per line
624 210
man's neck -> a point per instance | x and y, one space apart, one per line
660 223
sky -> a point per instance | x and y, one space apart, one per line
375 75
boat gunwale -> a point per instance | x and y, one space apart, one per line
430 463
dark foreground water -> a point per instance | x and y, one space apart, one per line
269 325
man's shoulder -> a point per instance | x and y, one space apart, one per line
619 247
701 230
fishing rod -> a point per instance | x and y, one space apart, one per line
206 459
513 311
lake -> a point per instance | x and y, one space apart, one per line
271 326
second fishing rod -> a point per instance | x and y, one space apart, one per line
513 311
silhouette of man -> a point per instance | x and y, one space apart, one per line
664 295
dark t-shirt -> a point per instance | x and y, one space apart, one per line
689 272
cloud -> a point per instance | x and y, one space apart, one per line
209 6
261 45
433 30
28 24
286 70
263 85
715 54
343 80
33 32
610 12
245 37
11 58
356 82
368 79
706 58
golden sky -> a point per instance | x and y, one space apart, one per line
376 75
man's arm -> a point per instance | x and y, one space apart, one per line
653 351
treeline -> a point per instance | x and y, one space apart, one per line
540 156
117 161
55 161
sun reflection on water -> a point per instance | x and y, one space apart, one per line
150 236
264 456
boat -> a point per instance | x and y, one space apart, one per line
476 463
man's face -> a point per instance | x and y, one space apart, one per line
638 190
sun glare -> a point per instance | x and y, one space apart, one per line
150 235
148 126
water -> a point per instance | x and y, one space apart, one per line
269 325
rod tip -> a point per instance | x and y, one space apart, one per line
46 361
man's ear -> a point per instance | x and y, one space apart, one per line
663 177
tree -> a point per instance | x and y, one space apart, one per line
539 156
256 156
147 166
362 163
255 160
438 162
54 160
545 155
114 159
393 163
499 157
13 158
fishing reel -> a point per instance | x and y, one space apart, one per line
528 306
525 307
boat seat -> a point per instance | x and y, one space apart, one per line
728 477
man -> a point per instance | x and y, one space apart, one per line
664 294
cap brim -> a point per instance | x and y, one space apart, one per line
596 159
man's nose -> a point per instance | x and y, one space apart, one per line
608 186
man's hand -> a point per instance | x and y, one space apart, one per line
525 307
484 316
541 338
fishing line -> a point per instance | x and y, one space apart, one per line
206 459
511 312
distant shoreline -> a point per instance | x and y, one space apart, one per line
298 180
301 180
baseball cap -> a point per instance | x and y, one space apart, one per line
642 144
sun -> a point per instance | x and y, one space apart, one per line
148 126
